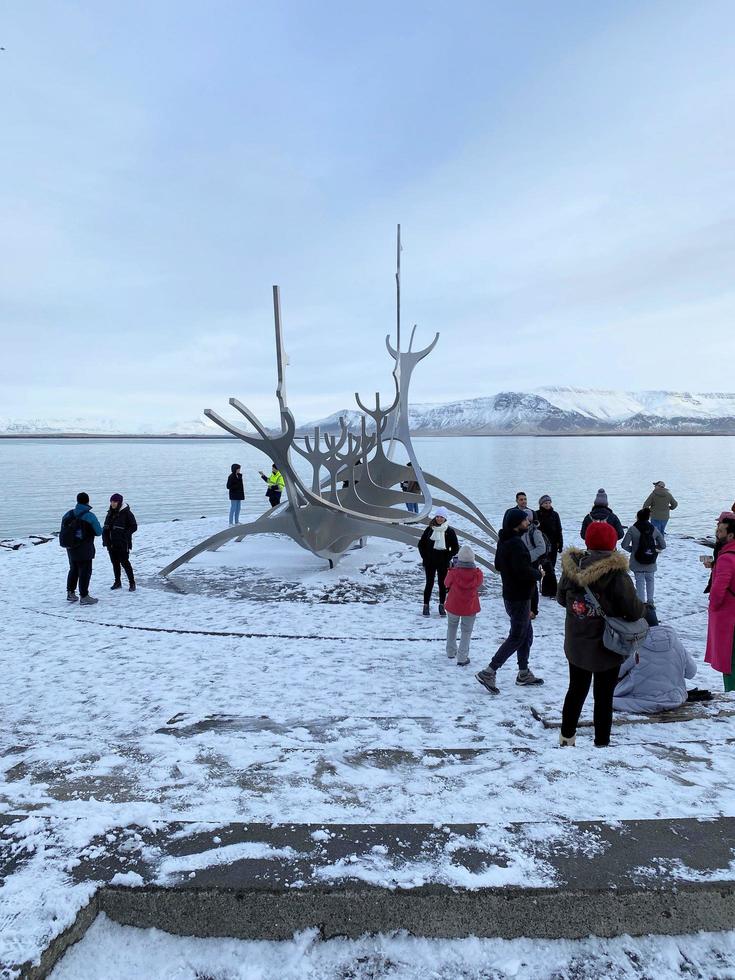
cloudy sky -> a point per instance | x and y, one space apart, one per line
562 171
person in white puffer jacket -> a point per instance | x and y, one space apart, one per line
652 679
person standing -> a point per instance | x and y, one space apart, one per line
411 486
720 653
533 539
462 604
437 545
117 536
79 528
661 502
601 512
236 490
276 485
549 524
726 515
519 578
603 571
643 541
522 504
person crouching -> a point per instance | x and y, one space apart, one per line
462 604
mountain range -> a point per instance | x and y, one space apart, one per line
545 411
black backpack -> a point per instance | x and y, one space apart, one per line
74 531
645 553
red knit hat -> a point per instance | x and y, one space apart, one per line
601 536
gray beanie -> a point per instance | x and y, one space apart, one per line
544 499
465 555
601 498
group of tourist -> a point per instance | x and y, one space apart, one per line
79 528
236 488
612 638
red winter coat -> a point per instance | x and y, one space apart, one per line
462 598
721 623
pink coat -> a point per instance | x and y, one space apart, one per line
721 623
463 583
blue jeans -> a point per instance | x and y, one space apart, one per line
520 638
235 511
413 508
661 525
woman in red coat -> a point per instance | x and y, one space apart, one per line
463 603
721 622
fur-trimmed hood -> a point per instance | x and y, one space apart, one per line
593 565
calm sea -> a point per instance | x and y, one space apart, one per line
162 479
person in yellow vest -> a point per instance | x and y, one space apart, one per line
276 485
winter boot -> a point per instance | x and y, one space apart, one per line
486 677
426 609
116 585
441 609
525 678
88 600
463 663
72 597
131 587
572 740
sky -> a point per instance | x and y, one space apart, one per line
562 172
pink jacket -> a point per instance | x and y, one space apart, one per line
721 623
463 583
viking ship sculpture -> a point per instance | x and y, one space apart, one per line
355 491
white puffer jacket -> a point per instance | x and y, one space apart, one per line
652 679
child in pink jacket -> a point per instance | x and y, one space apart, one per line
463 604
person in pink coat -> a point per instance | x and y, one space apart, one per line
721 621
462 604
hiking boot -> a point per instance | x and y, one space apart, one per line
525 678
572 740
441 609
72 597
117 585
486 677
426 609
131 587
88 600
463 663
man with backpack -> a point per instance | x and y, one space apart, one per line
533 538
79 528
643 542
601 512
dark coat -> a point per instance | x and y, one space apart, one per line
438 559
550 523
119 527
602 514
235 486
84 551
605 573
513 561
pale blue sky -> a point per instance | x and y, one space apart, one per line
563 174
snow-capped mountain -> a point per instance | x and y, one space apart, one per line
102 427
567 410
542 412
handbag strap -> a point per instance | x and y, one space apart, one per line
592 599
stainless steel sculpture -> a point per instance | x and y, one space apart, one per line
352 492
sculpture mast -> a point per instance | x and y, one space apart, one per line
398 335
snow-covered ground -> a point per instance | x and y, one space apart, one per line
298 674
110 950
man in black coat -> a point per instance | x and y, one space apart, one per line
117 536
519 577
602 512
550 524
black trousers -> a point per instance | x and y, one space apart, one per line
121 559
79 572
549 583
433 572
603 687
275 497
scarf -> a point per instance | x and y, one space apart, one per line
438 533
